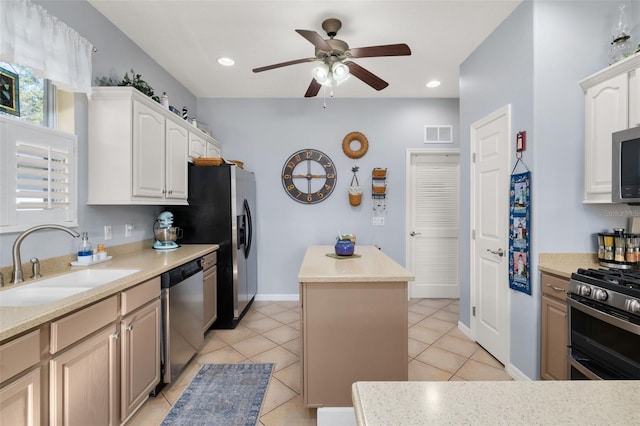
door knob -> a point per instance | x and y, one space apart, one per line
413 234
499 252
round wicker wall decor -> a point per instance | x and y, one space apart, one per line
355 137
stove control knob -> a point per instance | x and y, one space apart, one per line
600 295
584 290
633 306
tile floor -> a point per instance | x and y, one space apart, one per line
269 332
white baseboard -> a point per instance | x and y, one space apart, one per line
465 330
277 297
514 372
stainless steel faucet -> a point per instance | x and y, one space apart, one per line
16 275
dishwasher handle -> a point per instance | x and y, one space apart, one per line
181 273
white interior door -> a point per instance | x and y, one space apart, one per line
432 223
490 151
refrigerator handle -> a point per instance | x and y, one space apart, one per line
242 230
249 228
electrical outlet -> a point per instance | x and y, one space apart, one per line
128 229
378 221
107 232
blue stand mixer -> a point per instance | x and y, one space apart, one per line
165 233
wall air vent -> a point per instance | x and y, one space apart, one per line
438 134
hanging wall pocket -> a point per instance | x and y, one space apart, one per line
520 230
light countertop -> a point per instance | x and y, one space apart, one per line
372 266
17 319
564 264
492 403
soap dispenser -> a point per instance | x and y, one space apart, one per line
85 251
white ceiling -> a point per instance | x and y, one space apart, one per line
186 38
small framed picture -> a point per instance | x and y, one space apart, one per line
9 101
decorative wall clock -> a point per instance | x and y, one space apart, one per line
309 176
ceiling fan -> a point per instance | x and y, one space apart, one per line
335 56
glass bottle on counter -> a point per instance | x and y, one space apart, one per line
85 250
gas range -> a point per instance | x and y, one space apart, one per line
617 288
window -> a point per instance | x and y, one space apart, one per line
36 96
38 176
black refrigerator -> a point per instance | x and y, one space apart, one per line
221 210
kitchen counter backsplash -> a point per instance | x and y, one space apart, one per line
564 264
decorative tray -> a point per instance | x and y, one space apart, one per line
93 262
335 256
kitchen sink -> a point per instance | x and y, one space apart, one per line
55 288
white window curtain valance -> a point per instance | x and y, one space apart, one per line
31 37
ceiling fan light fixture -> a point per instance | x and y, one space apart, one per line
339 71
321 73
227 62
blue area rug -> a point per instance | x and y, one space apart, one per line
222 394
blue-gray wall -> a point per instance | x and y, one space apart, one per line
263 133
116 55
534 61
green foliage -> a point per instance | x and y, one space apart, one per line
137 82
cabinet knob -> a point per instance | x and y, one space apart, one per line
130 327
116 335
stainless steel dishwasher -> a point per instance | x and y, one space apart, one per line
182 319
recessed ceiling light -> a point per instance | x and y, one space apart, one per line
433 83
227 62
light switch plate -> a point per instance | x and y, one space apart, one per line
378 221
107 232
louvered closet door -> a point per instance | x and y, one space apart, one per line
433 224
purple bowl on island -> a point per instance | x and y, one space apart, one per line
344 248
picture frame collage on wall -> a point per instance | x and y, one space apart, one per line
520 232
9 92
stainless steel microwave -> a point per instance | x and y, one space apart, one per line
625 166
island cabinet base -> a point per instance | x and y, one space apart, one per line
351 331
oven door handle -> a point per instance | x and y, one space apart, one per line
584 370
609 319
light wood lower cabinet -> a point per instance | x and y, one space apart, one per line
351 331
140 369
95 366
554 328
84 382
20 400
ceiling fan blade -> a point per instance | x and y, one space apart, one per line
315 39
284 64
366 76
313 89
386 50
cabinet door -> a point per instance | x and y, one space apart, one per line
140 350
148 152
20 401
197 146
606 108
634 98
84 382
177 161
213 151
553 356
210 288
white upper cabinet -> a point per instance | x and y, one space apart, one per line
611 104
138 150
202 145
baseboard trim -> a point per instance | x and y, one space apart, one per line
277 297
518 375
465 330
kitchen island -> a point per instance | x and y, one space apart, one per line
354 322
491 403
